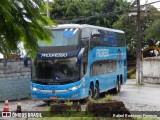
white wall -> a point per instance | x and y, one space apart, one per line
151 70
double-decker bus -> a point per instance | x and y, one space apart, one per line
82 61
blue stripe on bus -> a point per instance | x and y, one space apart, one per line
55 87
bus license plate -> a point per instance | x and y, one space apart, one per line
53 98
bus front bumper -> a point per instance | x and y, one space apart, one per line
54 96
62 92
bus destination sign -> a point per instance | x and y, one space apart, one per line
51 55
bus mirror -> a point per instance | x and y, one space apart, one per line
25 60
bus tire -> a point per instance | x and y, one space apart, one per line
96 92
83 101
48 102
118 86
91 91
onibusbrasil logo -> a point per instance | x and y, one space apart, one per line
23 114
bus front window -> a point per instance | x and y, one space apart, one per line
63 37
55 70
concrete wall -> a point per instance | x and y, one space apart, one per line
14 80
151 70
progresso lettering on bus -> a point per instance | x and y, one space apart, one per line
48 55
102 52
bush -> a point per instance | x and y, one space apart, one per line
130 73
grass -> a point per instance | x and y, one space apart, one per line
70 115
84 116
78 118
130 73
133 76
107 97
68 102
92 118
145 118
138 85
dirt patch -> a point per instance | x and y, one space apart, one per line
111 108
62 107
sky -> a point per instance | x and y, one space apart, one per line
142 2
157 5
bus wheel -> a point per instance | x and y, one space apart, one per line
96 92
48 103
118 87
91 91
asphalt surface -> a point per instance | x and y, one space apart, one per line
140 97
136 98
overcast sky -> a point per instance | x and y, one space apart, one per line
142 2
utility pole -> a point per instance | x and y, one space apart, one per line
48 12
139 51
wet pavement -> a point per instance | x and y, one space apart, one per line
136 98
26 105
140 97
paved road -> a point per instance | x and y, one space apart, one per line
142 98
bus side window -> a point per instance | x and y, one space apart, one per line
103 37
85 37
83 68
121 39
85 42
95 38
103 67
95 41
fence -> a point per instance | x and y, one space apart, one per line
151 70
14 79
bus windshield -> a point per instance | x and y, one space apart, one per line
63 37
55 70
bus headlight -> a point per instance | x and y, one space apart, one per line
35 89
74 88
78 86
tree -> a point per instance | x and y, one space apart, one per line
92 12
152 33
128 24
22 21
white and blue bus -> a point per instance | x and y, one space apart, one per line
82 61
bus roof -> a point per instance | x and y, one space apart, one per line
85 26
